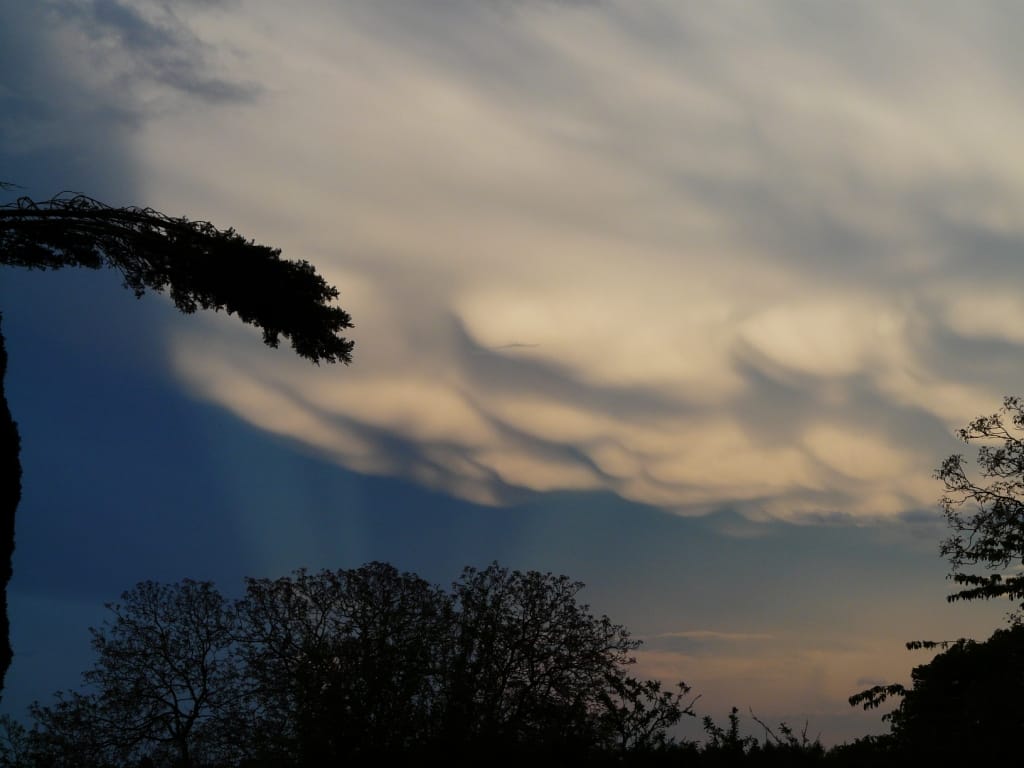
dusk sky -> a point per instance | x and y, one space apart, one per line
685 300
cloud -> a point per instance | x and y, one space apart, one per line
701 642
744 258
57 131
795 676
710 634
136 45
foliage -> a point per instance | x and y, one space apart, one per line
967 699
352 666
874 697
372 661
867 752
164 677
532 664
201 265
964 706
638 713
729 746
728 740
341 661
70 733
990 531
15 744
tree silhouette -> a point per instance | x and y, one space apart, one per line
164 679
365 666
530 665
990 532
964 707
200 266
341 663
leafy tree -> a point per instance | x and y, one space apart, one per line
342 663
729 746
523 657
986 513
874 751
530 665
353 666
964 707
69 733
727 743
638 713
200 265
395 623
15 744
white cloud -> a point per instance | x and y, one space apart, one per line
828 338
699 257
997 313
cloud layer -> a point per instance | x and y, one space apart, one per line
753 257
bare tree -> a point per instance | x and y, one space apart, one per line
164 680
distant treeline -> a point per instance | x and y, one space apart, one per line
370 665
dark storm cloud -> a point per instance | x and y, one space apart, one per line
56 132
161 45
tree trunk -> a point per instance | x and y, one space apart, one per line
10 495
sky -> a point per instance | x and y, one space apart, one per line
683 300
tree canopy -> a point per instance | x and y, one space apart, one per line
986 511
352 666
200 265
964 706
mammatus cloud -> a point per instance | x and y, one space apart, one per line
736 257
